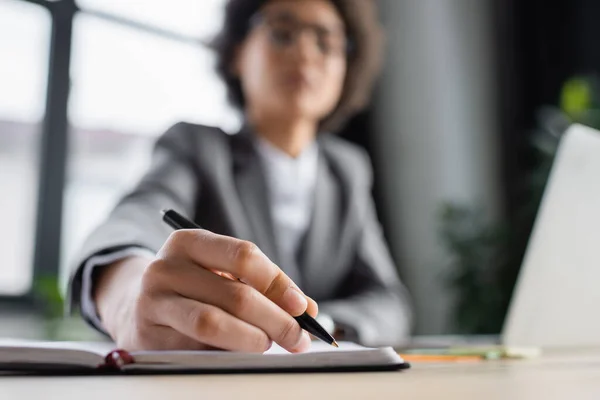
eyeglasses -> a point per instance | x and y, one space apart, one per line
284 31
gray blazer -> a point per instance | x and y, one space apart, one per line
217 179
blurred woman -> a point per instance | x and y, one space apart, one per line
285 205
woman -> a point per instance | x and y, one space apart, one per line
286 207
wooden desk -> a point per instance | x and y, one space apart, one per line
567 375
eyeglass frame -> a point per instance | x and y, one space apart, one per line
261 19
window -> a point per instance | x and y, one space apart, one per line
24 46
136 69
128 87
193 18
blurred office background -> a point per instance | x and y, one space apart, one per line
461 132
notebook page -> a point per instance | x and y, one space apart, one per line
318 347
60 353
320 356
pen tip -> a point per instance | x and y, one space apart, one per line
335 344
163 212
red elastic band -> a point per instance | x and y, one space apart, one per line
117 359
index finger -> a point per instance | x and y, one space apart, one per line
245 261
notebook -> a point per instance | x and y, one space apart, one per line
34 356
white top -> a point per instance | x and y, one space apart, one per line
291 185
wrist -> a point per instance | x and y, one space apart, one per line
115 290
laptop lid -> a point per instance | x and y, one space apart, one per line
556 302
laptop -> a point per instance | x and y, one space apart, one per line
556 301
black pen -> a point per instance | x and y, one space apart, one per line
306 322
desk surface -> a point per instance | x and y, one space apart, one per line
558 375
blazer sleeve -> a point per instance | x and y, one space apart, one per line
172 181
373 306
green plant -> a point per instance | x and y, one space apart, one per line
47 294
478 254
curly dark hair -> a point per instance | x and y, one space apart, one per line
364 61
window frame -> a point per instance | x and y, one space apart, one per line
54 139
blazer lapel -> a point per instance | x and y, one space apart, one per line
319 254
253 193
327 247
350 190
216 158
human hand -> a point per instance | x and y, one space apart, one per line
177 301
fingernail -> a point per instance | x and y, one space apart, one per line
304 343
269 345
294 302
